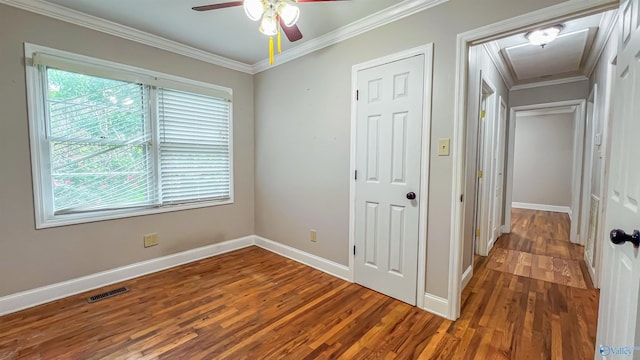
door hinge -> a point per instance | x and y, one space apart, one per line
354 249
461 197
357 95
480 174
477 232
355 177
483 114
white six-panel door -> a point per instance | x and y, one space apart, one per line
388 152
618 323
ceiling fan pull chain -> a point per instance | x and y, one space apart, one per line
270 50
279 42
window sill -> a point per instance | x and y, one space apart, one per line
43 222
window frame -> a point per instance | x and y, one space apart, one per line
41 169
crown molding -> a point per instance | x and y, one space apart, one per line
79 18
381 18
605 29
373 21
550 82
493 50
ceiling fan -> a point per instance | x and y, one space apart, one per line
276 15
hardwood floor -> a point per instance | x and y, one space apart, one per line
253 304
539 247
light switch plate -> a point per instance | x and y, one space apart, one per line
598 139
443 147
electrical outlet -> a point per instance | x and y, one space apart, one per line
150 240
313 237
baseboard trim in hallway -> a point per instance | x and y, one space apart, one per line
436 305
541 207
466 277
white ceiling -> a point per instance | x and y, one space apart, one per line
571 56
225 32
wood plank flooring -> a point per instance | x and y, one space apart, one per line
539 247
253 304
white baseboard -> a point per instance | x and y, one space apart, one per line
30 298
542 207
316 262
34 297
436 305
466 277
570 212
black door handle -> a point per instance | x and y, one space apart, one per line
618 237
411 195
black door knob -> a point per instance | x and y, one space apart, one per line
618 237
411 195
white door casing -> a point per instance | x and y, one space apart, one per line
499 156
587 171
591 197
388 162
576 175
484 189
605 154
618 322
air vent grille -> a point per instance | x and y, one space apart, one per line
107 294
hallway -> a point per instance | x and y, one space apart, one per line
531 297
539 248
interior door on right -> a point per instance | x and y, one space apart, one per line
618 314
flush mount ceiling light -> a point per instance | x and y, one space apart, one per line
542 37
276 15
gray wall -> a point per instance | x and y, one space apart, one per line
543 159
547 94
31 258
303 132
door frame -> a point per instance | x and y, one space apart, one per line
503 137
544 17
483 196
427 51
605 149
587 166
580 105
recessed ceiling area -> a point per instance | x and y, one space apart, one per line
226 32
572 55
564 55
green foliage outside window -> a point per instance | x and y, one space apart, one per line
99 138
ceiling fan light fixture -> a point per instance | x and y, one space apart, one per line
289 13
269 26
254 9
542 37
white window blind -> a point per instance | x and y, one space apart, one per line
194 147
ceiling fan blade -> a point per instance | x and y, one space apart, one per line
293 32
217 6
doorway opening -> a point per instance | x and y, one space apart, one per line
504 58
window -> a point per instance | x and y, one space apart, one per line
112 141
